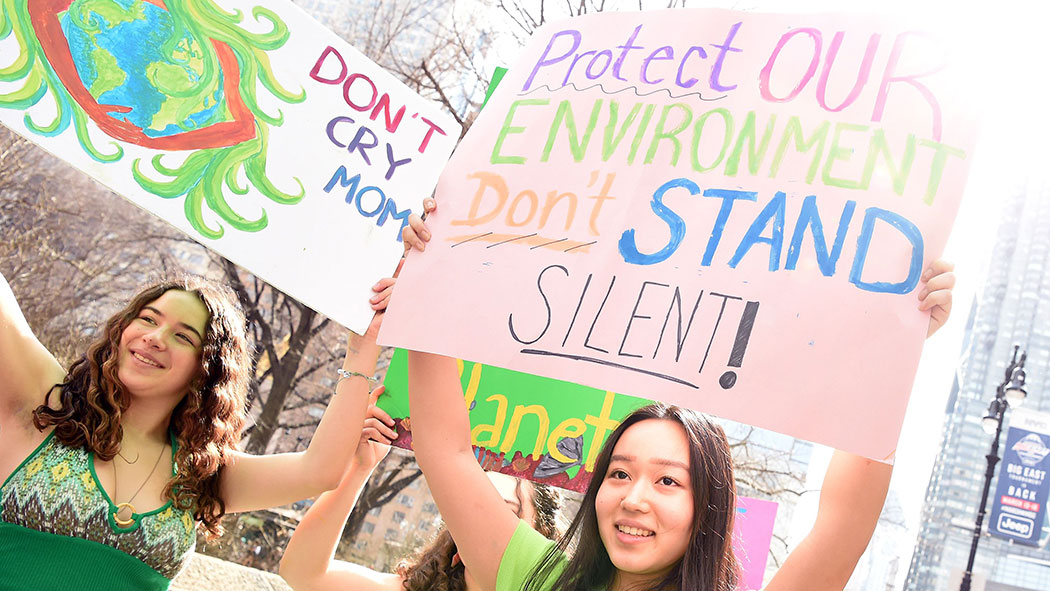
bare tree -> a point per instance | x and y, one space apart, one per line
286 354
526 17
773 473
71 249
69 245
393 474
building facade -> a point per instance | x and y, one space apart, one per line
397 529
1013 307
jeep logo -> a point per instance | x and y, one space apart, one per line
1012 524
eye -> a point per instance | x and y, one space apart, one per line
668 481
186 339
148 319
618 475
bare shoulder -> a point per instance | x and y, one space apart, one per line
29 371
27 368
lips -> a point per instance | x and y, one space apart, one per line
635 532
146 359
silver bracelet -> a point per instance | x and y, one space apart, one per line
343 374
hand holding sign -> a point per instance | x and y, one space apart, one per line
375 436
936 294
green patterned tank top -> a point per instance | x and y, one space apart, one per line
56 522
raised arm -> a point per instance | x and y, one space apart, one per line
257 482
308 563
28 369
441 440
854 488
851 500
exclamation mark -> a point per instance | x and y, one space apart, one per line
743 334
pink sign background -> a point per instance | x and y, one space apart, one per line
723 210
752 535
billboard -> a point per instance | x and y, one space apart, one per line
1019 504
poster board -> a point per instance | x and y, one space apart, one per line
246 125
725 210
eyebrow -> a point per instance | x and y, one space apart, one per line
182 324
660 461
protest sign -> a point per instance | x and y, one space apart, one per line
523 425
1022 491
752 536
551 432
724 210
247 125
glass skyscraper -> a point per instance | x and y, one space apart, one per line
1012 307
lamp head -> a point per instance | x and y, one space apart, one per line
989 423
1015 392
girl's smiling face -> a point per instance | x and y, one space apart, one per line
160 349
644 506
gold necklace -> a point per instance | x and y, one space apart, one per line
127 461
127 505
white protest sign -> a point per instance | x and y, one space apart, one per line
245 124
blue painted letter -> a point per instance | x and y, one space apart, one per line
774 210
809 216
728 196
628 248
905 227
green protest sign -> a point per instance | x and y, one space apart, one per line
524 425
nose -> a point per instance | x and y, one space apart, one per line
636 498
154 339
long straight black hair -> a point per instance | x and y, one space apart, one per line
708 563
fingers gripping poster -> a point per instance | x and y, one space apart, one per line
243 123
724 210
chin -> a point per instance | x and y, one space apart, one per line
637 564
640 568
131 382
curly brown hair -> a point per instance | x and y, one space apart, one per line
433 569
207 422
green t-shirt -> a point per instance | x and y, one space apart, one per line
526 549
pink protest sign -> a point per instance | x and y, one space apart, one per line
724 210
752 535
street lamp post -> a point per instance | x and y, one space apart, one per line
1009 393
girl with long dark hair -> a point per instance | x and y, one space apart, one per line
110 466
658 513
308 563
